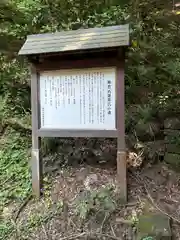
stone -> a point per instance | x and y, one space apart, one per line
172 136
173 159
154 225
90 181
147 131
154 149
172 123
173 148
171 132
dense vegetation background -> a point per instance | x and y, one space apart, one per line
152 72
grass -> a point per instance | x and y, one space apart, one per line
34 220
14 171
93 201
15 182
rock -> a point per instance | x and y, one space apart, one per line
81 174
172 136
154 225
154 149
172 123
173 159
171 132
147 131
50 169
90 181
8 211
173 148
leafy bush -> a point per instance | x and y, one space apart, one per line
92 201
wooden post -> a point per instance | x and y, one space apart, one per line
121 146
35 158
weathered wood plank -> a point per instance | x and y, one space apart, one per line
78 64
73 46
77 133
36 163
76 40
121 148
79 37
99 30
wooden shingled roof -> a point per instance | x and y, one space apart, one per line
82 39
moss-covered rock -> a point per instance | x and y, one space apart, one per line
172 123
154 225
172 136
173 148
147 131
173 159
154 149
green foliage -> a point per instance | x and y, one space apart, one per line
14 171
92 201
152 73
37 219
8 228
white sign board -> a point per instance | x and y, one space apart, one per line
78 99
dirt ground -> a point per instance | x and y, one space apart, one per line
154 188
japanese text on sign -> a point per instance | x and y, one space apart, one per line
78 99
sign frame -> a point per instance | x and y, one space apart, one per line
77 49
58 74
119 133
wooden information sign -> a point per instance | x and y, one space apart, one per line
78 99
77 90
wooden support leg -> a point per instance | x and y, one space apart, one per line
121 145
36 165
121 175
